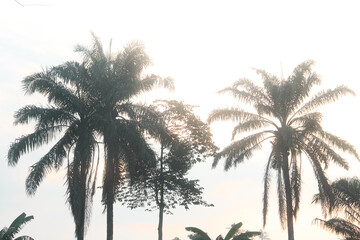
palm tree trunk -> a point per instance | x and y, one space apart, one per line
81 230
161 205
109 220
288 194
110 192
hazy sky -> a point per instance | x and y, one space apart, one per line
204 46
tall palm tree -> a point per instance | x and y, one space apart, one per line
285 116
15 227
347 207
68 115
114 81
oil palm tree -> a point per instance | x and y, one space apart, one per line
15 227
285 116
347 207
68 115
233 234
114 81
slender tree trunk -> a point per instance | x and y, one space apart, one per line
109 220
288 194
81 230
160 226
110 192
161 205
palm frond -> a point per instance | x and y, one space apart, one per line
281 198
325 97
313 117
339 143
235 114
340 226
267 180
51 160
44 117
326 194
295 181
151 81
237 151
30 142
243 96
249 125
46 84
325 152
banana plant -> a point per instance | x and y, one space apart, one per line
233 234
14 228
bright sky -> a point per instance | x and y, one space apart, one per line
204 46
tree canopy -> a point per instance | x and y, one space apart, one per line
284 114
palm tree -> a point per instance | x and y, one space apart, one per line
346 205
68 115
15 227
233 234
114 81
285 116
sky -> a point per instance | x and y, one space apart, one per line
204 46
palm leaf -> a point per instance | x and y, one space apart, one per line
325 97
30 142
237 151
340 226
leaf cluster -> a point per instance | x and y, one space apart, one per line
190 143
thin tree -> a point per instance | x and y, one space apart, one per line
346 209
114 82
166 185
285 116
68 115
8 233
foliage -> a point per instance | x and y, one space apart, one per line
113 81
68 115
166 184
233 234
284 115
346 207
190 143
15 227
88 101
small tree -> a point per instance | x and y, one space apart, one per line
167 185
14 228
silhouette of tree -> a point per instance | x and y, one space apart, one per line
68 115
286 117
114 82
166 185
